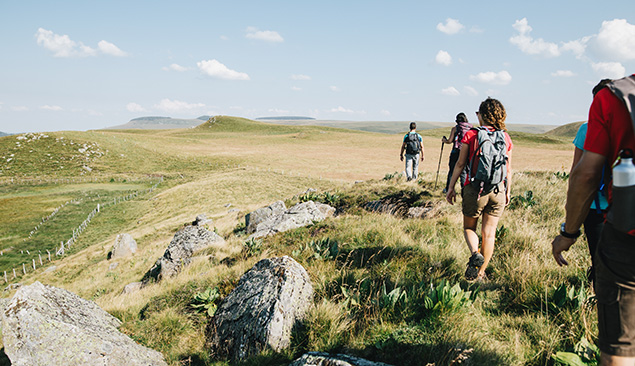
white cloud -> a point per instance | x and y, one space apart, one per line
451 91
342 110
470 91
451 26
54 108
529 45
578 47
215 69
168 105
334 88
224 38
19 108
476 29
108 48
443 58
495 78
610 70
384 112
267 36
300 77
63 46
295 88
175 67
134 107
563 73
278 111
616 40
94 113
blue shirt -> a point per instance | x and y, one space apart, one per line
578 142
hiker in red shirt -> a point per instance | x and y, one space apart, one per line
478 199
610 130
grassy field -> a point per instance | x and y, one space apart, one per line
392 292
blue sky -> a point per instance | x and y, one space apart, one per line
78 65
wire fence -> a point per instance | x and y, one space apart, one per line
64 246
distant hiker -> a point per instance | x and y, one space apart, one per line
456 135
594 221
413 146
485 192
610 134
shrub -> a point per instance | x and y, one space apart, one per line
206 301
444 297
523 201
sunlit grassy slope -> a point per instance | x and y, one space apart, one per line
371 293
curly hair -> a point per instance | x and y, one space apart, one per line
493 113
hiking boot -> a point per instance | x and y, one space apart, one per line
473 265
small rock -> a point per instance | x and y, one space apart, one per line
132 288
124 246
324 359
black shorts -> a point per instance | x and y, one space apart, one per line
615 291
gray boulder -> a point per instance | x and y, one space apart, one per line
124 246
252 219
269 301
300 215
324 359
185 243
44 325
132 288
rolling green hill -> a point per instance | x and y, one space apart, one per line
569 130
393 291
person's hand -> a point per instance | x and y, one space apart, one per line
422 157
401 157
561 244
508 198
450 196
444 140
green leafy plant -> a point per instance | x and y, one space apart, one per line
444 297
323 249
350 298
584 354
525 200
206 301
568 297
391 176
392 298
561 175
252 247
501 234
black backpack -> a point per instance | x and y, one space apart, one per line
413 144
488 167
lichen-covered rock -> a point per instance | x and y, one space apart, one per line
261 312
44 325
276 221
252 219
179 253
324 359
124 246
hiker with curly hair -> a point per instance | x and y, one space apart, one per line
486 152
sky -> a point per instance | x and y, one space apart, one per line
80 65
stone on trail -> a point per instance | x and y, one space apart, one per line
45 325
261 312
325 359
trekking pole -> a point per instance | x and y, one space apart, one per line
439 166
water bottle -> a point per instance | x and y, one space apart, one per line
622 212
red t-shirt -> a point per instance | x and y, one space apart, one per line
472 142
609 129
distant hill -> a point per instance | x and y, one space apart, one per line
160 123
568 130
284 118
4 134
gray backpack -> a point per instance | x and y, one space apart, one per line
488 167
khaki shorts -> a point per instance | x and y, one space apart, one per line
490 203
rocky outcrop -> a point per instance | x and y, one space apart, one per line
324 359
44 325
124 246
277 218
185 243
269 301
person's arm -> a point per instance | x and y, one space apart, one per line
421 147
508 186
450 139
577 155
458 168
583 182
403 147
